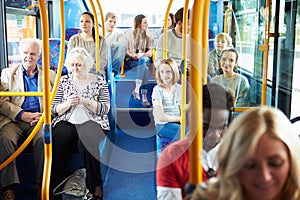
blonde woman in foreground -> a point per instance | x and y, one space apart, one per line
258 159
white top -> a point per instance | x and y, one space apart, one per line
170 102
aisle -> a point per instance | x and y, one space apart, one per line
131 172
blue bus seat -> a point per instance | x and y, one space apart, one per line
70 32
54 45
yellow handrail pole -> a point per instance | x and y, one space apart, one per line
166 29
24 145
46 99
266 52
97 46
226 20
198 54
18 94
183 79
38 125
204 43
102 17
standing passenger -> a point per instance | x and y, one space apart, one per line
139 51
81 98
20 115
258 159
236 83
117 42
87 38
166 99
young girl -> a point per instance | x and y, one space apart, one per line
166 99
236 83
139 51
222 41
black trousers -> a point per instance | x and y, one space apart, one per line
65 142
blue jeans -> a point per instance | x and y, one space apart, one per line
142 68
170 130
117 57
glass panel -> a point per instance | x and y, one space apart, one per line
295 107
26 4
18 27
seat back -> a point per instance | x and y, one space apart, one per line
54 45
70 32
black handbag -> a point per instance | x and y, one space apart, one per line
74 186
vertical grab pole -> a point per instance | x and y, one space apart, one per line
97 47
265 48
46 90
199 37
184 73
166 29
102 18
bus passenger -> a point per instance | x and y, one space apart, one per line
117 42
86 39
171 22
21 114
166 99
222 41
236 83
82 98
174 43
258 159
139 51
172 172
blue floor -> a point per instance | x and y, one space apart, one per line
131 174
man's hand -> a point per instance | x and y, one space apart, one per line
31 118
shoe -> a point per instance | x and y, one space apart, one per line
146 103
8 195
136 96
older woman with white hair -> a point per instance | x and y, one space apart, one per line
82 100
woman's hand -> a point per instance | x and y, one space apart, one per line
73 100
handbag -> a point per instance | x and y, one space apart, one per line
74 186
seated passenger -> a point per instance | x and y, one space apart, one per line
174 43
139 51
20 114
172 172
117 42
236 83
222 41
258 159
86 39
81 98
171 22
166 99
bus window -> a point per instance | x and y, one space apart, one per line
19 26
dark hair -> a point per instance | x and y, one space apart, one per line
230 49
93 20
179 15
217 97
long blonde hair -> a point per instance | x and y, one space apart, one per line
172 63
240 143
